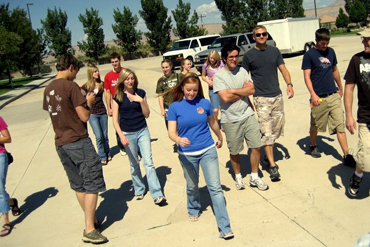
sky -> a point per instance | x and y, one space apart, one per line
73 8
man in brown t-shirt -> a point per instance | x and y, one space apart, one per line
69 112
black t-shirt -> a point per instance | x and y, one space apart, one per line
263 65
130 113
358 72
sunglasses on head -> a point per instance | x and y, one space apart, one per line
264 34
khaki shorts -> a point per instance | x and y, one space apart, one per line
245 129
271 118
362 157
328 113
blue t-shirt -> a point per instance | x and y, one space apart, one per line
321 65
192 122
131 118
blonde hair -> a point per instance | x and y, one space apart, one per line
120 86
183 63
90 84
216 57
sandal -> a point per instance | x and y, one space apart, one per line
193 218
228 235
7 229
103 162
16 211
109 158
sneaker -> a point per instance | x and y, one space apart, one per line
315 152
123 152
160 200
94 237
259 183
354 185
348 160
139 197
239 183
274 173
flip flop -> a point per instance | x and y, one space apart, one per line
103 162
109 158
193 218
16 211
7 229
228 235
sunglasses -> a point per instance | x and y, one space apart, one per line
264 34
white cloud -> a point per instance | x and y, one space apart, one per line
210 8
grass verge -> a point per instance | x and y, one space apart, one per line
5 86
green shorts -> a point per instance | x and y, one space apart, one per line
328 113
236 132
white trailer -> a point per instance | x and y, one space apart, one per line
293 34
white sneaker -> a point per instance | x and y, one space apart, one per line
259 183
239 183
123 152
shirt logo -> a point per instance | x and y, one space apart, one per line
325 62
200 110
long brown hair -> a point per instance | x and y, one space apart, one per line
90 84
177 93
120 86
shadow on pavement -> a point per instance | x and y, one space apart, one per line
345 173
33 202
114 206
324 147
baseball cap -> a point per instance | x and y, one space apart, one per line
365 33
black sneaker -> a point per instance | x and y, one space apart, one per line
348 160
315 152
354 185
94 237
274 173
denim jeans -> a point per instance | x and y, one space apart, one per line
99 124
209 163
4 196
141 140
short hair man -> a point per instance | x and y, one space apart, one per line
358 73
110 81
322 79
233 85
69 114
263 61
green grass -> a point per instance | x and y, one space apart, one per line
19 82
337 33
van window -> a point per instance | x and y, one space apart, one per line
194 44
242 40
221 41
207 41
180 45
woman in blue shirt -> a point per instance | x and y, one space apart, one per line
189 119
130 109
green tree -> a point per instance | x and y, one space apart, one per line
257 10
94 45
186 27
57 34
357 12
9 49
233 12
127 36
158 22
342 19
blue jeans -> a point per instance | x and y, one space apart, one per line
4 196
209 163
141 140
99 124
214 98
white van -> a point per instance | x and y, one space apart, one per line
187 48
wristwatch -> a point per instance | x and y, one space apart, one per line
289 84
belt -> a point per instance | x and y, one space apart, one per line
325 95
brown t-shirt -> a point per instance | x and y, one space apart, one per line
61 97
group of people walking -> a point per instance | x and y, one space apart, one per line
189 118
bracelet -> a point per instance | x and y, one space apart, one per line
289 84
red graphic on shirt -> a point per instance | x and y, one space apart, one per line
200 110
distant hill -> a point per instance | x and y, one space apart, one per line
332 9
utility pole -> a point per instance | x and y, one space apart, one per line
314 2
29 16
201 19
